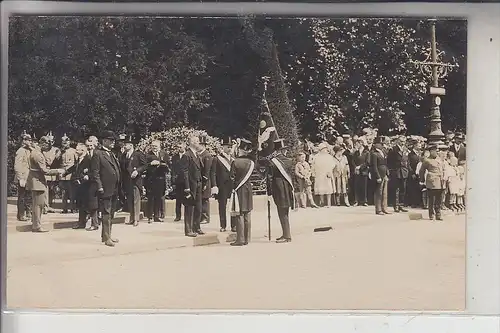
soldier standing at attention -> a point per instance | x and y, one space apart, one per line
37 181
52 156
68 158
206 162
280 188
22 169
434 181
242 195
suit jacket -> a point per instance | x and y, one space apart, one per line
22 163
36 180
206 162
177 177
86 190
191 173
460 153
350 160
220 176
378 165
105 171
362 160
239 169
66 160
397 162
413 160
157 175
277 184
435 173
136 162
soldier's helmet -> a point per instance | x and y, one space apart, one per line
65 138
25 136
49 137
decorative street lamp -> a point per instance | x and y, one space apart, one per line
434 69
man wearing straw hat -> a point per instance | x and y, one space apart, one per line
241 204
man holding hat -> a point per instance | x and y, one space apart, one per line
36 181
280 188
434 181
68 158
379 172
21 170
133 165
242 193
397 162
221 168
105 172
206 161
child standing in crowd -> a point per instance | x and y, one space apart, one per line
340 176
303 176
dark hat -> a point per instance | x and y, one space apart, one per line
459 136
245 145
203 139
108 135
122 137
432 146
227 141
379 139
346 136
442 146
128 139
279 144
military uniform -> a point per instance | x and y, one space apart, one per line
21 169
280 187
434 182
52 157
241 203
68 158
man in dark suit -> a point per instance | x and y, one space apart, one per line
221 167
191 173
280 188
105 171
361 157
206 162
414 193
241 193
133 165
397 162
379 172
178 179
458 149
156 180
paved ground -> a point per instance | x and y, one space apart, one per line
366 262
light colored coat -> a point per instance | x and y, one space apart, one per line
50 157
435 179
36 180
322 169
22 164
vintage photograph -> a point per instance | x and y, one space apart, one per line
236 163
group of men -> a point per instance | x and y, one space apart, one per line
100 178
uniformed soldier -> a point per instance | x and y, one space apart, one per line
37 181
221 181
68 158
280 188
206 161
242 195
21 169
52 156
434 181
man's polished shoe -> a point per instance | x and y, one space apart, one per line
135 224
77 226
39 230
177 219
237 244
159 220
109 243
200 232
191 234
233 229
115 240
280 238
379 213
386 212
92 228
222 229
284 240
401 209
203 222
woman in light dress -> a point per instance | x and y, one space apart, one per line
322 168
340 176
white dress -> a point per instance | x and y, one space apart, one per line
322 168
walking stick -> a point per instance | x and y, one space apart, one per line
268 210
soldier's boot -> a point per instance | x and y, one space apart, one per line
240 232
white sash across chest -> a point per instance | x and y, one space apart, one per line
235 203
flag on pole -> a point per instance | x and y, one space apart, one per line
267 130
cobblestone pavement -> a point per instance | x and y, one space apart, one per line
366 262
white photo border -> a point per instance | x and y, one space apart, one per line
483 223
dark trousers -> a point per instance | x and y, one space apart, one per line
23 203
283 213
93 218
107 209
192 213
82 218
414 192
223 214
380 196
361 189
51 193
179 197
371 186
154 204
351 188
205 210
435 199
399 191
67 194
243 227
134 203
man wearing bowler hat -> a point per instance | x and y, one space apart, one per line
105 172
221 181
280 188
379 172
242 195
206 161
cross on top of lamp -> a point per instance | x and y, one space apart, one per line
433 68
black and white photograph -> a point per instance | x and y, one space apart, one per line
237 163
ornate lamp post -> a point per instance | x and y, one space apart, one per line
433 68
